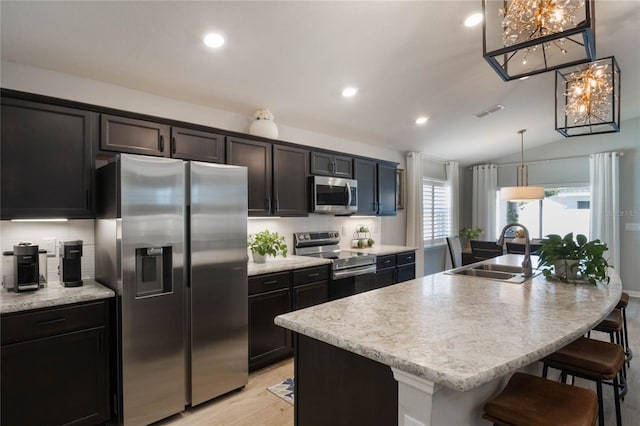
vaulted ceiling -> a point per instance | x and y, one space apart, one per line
406 58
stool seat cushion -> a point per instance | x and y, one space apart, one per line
593 358
529 400
612 323
624 301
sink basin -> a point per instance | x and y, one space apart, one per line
492 271
495 275
500 268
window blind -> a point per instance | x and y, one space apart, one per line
436 202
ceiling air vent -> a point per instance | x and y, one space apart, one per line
488 111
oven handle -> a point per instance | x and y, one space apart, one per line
348 195
352 272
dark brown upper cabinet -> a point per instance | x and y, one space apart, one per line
387 189
328 164
189 144
47 160
290 189
122 134
256 157
366 173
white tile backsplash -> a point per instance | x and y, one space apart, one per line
12 233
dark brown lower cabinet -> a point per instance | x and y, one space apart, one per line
310 294
395 268
339 388
268 342
57 372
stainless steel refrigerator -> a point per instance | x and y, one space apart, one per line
171 241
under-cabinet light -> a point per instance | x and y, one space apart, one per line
41 220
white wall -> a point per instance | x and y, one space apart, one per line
576 170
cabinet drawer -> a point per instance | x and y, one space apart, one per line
406 273
34 325
408 257
309 275
268 282
383 262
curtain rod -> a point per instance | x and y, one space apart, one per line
621 154
435 159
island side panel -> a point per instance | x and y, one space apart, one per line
339 388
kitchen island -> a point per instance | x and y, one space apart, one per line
440 345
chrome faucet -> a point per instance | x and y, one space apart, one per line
527 271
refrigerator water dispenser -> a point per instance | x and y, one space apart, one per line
153 271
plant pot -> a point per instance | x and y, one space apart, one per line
566 268
259 258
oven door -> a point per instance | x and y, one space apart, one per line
333 195
348 282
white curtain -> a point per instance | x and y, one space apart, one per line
452 170
413 205
605 203
483 211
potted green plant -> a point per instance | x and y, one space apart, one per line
266 243
573 259
470 234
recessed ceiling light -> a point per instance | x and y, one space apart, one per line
348 92
213 40
421 120
473 20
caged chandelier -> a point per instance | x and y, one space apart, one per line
534 36
588 98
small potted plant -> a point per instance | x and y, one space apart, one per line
573 259
266 243
470 234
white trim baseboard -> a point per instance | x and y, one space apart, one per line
632 293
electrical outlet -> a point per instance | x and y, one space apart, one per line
49 244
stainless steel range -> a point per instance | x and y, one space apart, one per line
351 272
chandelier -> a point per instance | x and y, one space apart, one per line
527 37
588 98
522 191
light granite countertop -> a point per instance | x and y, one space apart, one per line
52 295
382 250
459 331
279 264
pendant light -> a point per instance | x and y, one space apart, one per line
522 191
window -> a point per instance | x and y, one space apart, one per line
563 210
436 205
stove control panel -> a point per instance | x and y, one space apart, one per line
317 238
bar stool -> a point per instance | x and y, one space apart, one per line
592 360
622 305
530 400
613 325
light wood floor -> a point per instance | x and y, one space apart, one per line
255 406
252 406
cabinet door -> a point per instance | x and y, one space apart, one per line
47 160
343 166
123 134
386 189
55 380
321 164
256 156
290 186
268 342
190 144
385 277
310 294
406 272
366 173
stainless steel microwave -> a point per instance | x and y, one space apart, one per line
333 195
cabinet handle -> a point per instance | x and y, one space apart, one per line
277 204
173 145
53 321
313 275
161 143
387 261
270 282
269 204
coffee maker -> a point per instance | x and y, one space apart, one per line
21 268
70 268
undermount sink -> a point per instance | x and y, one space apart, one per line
485 274
500 268
492 271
